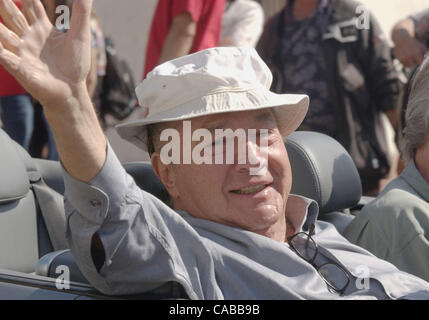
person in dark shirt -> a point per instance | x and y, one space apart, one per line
317 47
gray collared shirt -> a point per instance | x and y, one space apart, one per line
395 226
148 244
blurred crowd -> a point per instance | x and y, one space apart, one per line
357 91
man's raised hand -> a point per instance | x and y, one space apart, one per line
51 65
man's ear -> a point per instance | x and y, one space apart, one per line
166 174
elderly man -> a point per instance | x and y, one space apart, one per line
233 230
395 226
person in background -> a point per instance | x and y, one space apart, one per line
242 24
411 39
180 27
314 47
395 226
17 112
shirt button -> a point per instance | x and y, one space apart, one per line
95 203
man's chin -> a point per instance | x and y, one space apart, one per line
261 217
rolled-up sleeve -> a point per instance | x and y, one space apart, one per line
146 243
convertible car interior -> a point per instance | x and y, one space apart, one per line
32 244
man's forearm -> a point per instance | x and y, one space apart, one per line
179 39
176 46
80 140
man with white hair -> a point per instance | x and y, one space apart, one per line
395 226
234 231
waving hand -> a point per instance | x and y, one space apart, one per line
52 66
48 63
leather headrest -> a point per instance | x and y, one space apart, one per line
14 183
323 170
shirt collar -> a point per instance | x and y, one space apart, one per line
413 177
301 212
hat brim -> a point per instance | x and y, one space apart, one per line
289 110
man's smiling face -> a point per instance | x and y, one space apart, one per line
229 193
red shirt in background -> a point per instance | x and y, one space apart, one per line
8 85
206 13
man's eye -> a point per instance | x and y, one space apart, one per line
267 137
263 134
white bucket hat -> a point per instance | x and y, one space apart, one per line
212 81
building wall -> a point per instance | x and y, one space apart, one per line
128 23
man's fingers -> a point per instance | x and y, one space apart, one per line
9 39
9 61
40 11
28 10
13 17
81 20
34 11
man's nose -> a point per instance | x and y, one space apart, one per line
255 162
